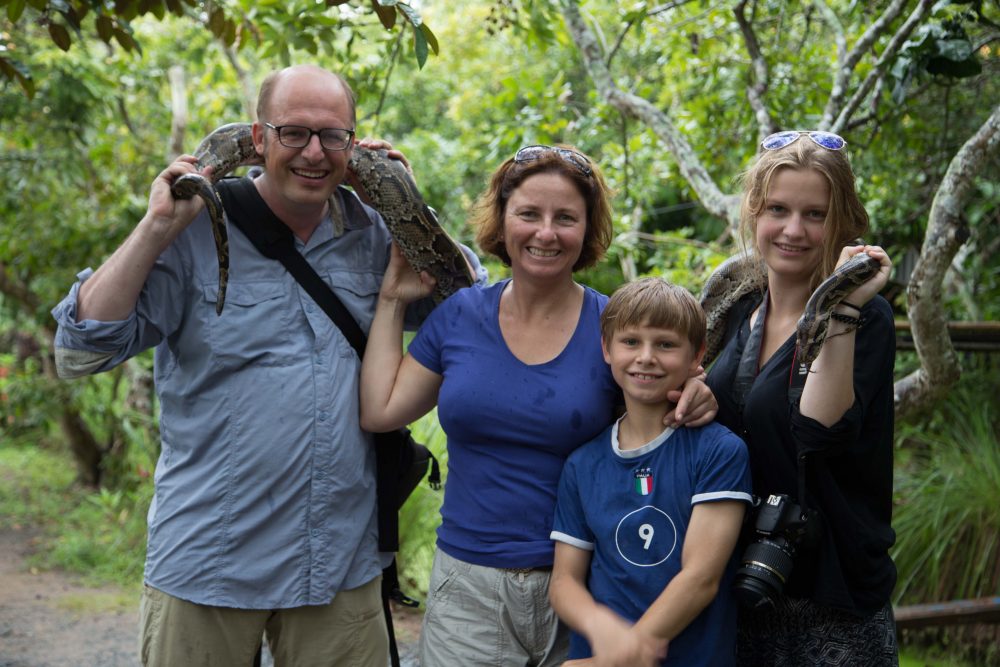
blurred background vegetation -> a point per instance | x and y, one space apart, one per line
86 110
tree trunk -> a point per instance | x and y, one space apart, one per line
87 455
947 230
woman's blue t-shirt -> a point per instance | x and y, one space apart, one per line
510 425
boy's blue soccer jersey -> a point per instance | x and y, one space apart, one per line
632 509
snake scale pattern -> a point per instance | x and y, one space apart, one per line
414 226
744 274
386 183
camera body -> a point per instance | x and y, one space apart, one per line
780 528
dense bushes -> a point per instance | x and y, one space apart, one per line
947 514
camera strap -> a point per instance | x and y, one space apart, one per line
748 367
746 373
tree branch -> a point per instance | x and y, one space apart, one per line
879 68
836 28
712 198
388 76
761 74
848 61
628 25
946 231
178 111
249 92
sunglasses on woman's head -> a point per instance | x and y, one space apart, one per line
532 153
827 140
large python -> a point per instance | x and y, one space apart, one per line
743 274
386 183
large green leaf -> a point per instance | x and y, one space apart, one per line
60 36
420 46
15 9
17 71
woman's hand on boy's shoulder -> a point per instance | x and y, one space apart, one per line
694 404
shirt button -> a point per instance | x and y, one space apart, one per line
323 416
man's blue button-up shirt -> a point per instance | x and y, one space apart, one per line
265 483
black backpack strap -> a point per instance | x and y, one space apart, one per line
247 210
391 591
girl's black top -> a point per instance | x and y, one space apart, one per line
848 469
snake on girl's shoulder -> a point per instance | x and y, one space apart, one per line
743 274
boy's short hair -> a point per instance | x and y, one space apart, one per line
657 303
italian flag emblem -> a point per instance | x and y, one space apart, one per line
644 482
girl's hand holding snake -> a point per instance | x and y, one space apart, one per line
864 293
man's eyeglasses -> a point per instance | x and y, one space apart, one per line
532 153
297 136
827 140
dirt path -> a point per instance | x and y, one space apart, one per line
50 619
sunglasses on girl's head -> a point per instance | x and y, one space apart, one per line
827 140
532 153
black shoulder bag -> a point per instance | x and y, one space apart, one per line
400 461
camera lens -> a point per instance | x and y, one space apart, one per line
761 577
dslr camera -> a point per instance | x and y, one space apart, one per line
781 527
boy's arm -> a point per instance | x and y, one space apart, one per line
613 640
708 544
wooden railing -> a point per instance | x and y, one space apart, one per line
965 336
956 612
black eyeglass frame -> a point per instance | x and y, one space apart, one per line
533 152
348 141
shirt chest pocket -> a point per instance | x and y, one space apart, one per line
253 323
358 292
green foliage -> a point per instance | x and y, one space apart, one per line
421 515
105 536
910 656
277 28
62 151
99 535
36 484
25 405
947 496
941 47
947 518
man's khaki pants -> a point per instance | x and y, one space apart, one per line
348 632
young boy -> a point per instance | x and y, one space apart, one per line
648 518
